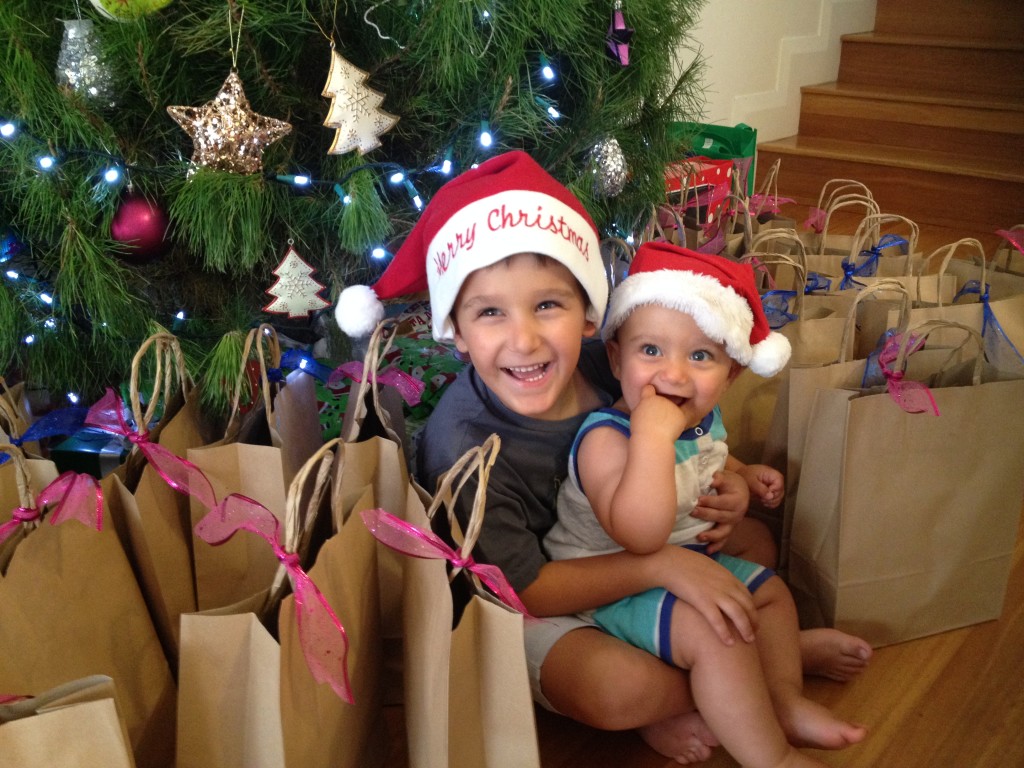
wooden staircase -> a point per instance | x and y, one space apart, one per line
927 111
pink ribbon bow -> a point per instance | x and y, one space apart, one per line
911 396
815 220
71 493
1014 237
410 388
321 635
410 540
182 475
767 203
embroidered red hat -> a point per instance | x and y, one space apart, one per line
719 294
504 206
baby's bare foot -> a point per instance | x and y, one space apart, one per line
809 724
833 654
686 738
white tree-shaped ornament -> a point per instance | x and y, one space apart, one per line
295 292
355 109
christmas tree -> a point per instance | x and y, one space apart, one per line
157 156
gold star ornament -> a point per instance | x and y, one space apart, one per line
226 133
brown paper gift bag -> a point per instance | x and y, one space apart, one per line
71 608
467 692
75 725
229 712
244 566
229 688
814 333
905 523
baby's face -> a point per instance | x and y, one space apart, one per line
521 321
667 349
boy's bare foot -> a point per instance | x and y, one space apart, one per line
809 724
833 654
686 738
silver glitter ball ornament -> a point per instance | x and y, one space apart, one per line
80 65
608 164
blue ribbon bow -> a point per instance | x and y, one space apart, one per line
776 308
63 421
869 266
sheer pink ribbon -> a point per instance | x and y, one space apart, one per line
410 540
321 635
75 496
409 387
767 203
1014 237
182 475
815 220
911 396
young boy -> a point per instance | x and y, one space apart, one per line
511 259
679 330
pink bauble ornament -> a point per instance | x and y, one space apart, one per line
141 225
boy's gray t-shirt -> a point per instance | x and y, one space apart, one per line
523 488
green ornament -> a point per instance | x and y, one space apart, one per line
126 10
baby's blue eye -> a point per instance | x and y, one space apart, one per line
701 355
650 350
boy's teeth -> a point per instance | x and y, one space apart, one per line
524 372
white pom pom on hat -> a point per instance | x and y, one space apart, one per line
719 294
506 205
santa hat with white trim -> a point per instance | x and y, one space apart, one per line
506 205
719 294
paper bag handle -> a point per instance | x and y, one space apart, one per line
268 352
872 223
835 187
297 525
946 254
851 317
26 497
170 366
922 330
377 348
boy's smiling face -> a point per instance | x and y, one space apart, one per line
521 321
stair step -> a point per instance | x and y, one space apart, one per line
971 193
959 65
986 19
897 117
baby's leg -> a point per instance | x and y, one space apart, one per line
729 688
805 722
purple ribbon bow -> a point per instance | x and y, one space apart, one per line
409 387
410 540
911 396
321 635
71 493
182 475
815 220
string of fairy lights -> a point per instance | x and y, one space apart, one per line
114 172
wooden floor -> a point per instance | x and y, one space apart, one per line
954 700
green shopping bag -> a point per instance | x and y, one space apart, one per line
722 142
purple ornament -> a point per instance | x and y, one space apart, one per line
141 225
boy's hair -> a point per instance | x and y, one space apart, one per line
505 206
719 294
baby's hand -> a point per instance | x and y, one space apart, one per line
766 484
656 415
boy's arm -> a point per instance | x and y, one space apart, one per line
570 586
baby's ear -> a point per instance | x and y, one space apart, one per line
735 371
589 329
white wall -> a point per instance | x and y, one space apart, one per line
759 52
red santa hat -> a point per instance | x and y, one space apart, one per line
506 205
719 294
